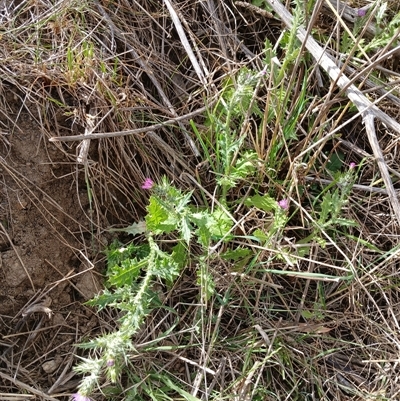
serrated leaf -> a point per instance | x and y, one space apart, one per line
365 243
168 382
116 253
127 272
117 298
258 3
166 267
335 162
133 229
218 223
203 233
307 314
158 220
206 282
179 254
183 201
264 202
280 220
326 208
211 226
244 167
186 229
103 300
227 182
346 222
260 235
303 250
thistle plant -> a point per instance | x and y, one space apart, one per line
278 216
133 268
236 103
334 198
328 208
386 31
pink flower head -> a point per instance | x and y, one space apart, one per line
352 165
361 12
80 397
284 204
148 183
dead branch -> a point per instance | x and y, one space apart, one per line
137 131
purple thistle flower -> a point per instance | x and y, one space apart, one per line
80 397
361 12
352 165
110 362
284 204
148 183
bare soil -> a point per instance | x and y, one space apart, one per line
45 224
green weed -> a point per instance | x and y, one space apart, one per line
181 235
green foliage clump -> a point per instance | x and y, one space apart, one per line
194 233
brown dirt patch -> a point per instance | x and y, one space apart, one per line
45 227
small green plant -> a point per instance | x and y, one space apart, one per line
385 31
79 62
327 209
224 139
334 200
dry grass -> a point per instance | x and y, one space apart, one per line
81 67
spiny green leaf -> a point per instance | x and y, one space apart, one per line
168 382
127 272
205 281
117 252
202 232
219 223
186 229
263 202
346 222
182 202
179 255
104 299
244 167
280 220
211 226
335 162
327 205
258 3
158 220
166 267
365 243
133 229
260 235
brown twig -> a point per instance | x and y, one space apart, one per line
137 131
